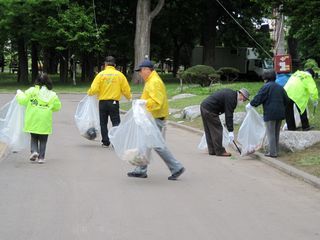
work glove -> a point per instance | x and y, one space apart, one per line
315 104
231 136
141 102
248 106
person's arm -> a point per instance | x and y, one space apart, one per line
125 87
261 97
229 109
95 86
312 88
24 97
155 99
56 105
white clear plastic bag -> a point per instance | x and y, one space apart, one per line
225 140
87 117
251 133
136 135
11 126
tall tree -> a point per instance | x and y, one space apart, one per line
144 18
75 32
175 32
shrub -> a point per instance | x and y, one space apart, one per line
311 63
229 74
200 74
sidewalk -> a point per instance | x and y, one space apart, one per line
306 177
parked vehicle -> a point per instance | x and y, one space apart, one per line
245 59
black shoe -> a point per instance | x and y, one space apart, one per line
177 174
137 175
307 129
269 155
105 145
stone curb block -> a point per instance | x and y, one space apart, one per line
3 151
292 171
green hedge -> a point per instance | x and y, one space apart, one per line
200 74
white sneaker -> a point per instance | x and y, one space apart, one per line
34 156
41 160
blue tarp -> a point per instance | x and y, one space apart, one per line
282 78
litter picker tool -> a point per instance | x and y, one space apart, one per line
237 146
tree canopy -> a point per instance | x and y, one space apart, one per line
59 32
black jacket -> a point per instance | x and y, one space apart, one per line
274 100
222 101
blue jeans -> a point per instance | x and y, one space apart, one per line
172 163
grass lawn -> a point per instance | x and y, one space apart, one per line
307 160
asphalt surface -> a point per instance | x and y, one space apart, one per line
82 192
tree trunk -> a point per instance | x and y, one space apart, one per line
293 51
143 29
64 66
90 70
34 64
23 62
176 57
209 33
50 61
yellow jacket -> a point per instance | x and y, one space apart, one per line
155 94
109 84
300 87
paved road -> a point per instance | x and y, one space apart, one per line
82 192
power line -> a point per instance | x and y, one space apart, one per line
243 28
95 17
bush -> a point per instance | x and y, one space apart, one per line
229 74
200 74
311 63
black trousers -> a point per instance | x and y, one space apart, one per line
291 123
108 108
213 130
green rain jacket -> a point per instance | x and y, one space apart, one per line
40 103
300 87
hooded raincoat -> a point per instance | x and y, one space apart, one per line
40 103
300 87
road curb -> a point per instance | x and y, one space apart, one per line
292 171
3 150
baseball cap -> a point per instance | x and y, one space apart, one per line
145 63
245 93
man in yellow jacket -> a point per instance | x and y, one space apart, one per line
109 85
154 93
300 88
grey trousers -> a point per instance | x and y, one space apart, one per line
172 163
213 131
273 134
39 144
